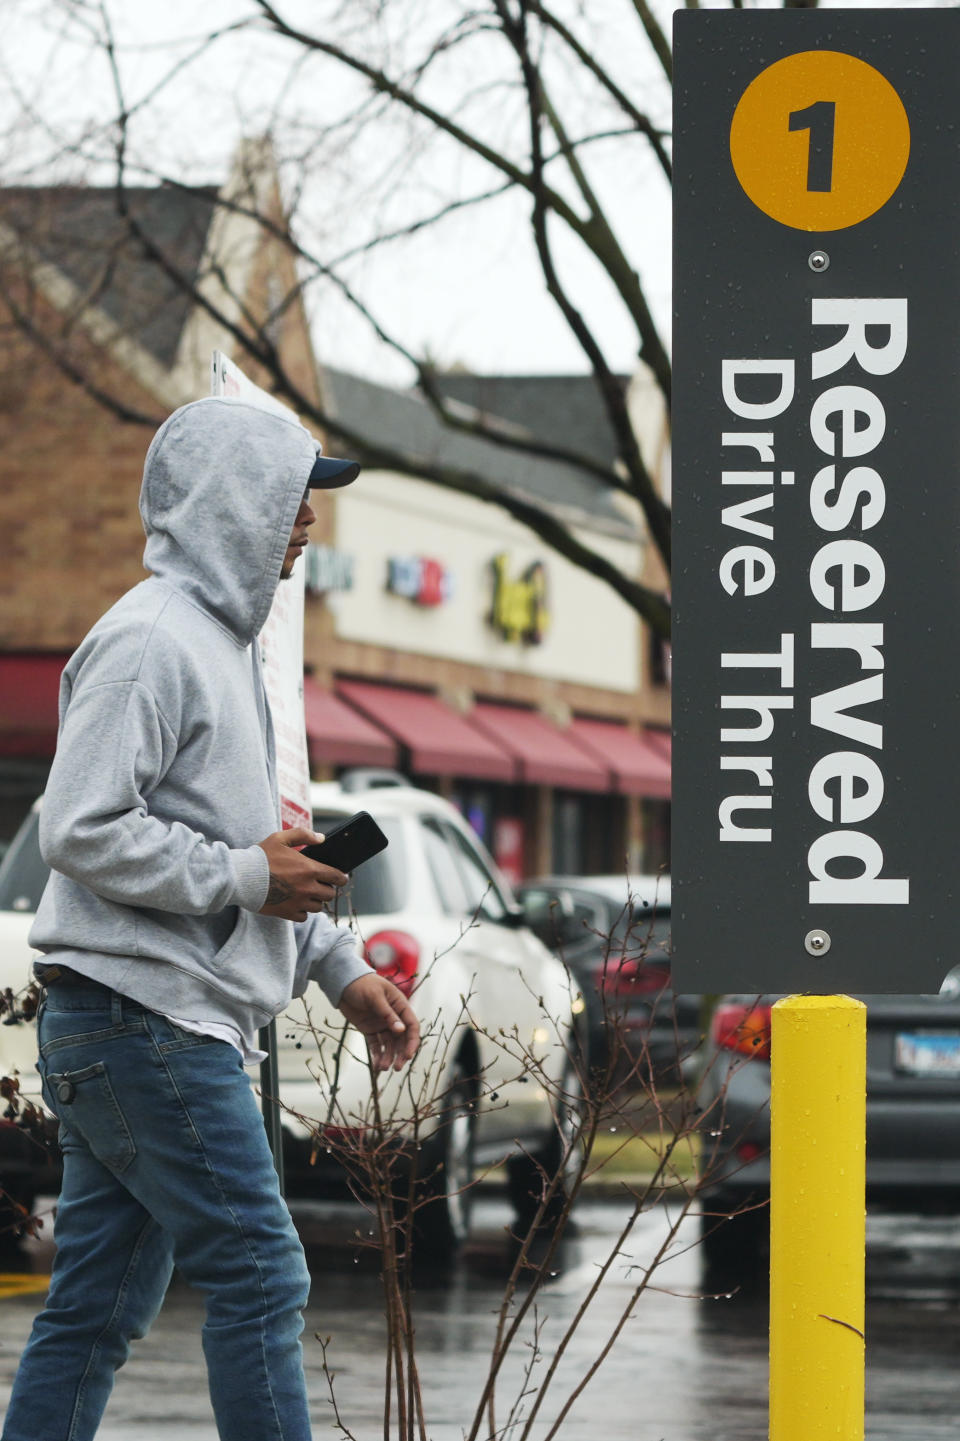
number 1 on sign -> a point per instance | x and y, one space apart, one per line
819 119
846 166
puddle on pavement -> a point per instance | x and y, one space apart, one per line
702 1364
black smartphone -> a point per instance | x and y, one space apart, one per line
349 844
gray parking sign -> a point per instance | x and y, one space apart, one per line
816 500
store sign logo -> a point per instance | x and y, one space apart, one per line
519 611
327 569
419 579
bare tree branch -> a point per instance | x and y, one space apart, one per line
72 369
649 604
262 349
594 231
658 40
641 121
542 164
509 438
539 106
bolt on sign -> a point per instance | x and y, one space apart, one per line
816 500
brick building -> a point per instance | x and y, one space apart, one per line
441 636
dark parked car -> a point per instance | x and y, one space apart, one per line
913 1118
613 933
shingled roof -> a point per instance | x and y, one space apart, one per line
565 410
402 420
80 231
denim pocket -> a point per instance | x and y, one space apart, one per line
85 1102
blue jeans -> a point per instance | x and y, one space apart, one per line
165 1162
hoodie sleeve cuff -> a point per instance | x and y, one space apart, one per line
251 871
341 974
342 964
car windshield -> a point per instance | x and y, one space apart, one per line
638 929
562 918
23 873
379 886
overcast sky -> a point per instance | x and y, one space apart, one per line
471 292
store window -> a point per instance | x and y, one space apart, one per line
656 836
661 660
498 815
589 834
478 806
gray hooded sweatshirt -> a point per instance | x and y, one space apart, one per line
164 776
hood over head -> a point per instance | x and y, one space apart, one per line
222 484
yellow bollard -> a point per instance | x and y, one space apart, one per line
817 1218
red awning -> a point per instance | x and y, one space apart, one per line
29 691
545 754
662 742
440 741
339 735
639 767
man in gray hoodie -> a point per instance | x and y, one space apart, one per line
177 921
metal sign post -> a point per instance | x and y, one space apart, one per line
817 520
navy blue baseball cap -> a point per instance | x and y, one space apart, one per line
328 473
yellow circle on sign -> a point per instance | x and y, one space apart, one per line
820 140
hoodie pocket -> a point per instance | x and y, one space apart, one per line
233 943
255 965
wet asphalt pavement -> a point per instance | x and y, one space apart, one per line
683 1369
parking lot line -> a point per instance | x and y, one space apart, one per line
22 1284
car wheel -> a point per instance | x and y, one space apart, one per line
530 1174
444 1185
736 1247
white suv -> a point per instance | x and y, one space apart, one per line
496 1077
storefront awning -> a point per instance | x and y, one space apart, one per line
662 742
439 741
638 767
338 735
29 690
545 755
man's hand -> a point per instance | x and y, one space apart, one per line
297 884
383 1014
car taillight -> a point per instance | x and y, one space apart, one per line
626 976
743 1028
396 955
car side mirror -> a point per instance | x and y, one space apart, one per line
515 917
